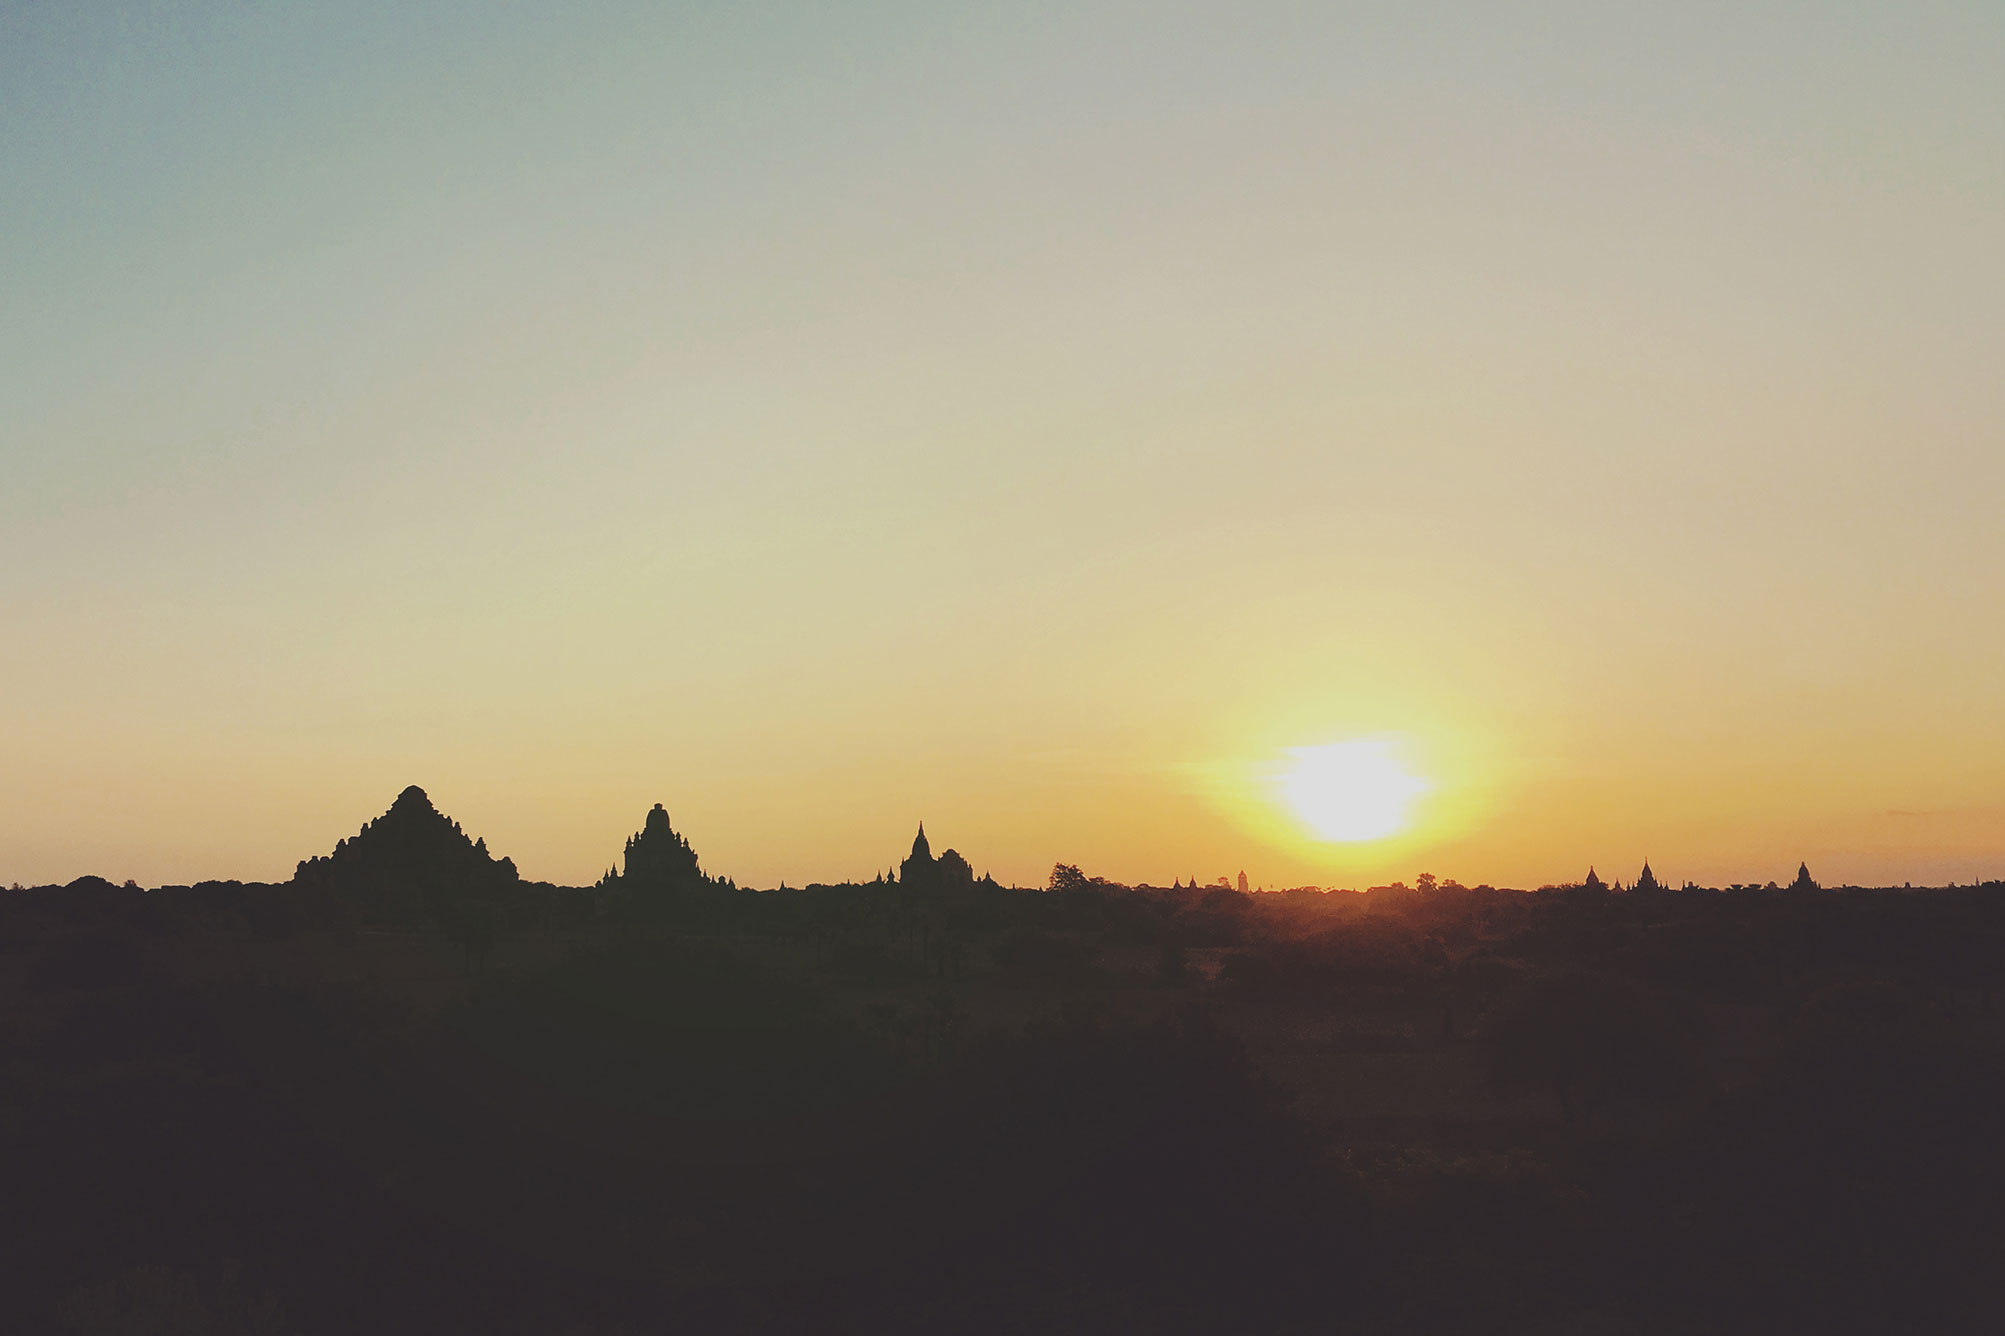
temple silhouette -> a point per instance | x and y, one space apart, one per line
658 859
412 854
922 871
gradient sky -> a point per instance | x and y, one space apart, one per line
1030 418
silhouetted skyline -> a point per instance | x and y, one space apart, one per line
415 849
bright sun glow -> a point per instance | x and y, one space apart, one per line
1350 791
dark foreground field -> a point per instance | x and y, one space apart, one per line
884 1108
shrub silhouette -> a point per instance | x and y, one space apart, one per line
1143 1177
1377 953
1853 1184
685 1032
1028 953
165 1301
1590 1040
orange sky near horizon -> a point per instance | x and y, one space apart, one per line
1037 421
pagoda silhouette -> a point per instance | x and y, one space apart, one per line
922 871
412 858
658 861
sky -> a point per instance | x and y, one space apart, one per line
1043 420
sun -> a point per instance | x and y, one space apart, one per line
1350 792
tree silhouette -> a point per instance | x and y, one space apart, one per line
1067 877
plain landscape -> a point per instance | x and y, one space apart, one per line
408 1091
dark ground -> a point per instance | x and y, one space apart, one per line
879 1109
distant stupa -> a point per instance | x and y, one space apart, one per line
1593 882
1803 881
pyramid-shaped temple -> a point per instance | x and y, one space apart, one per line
411 847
